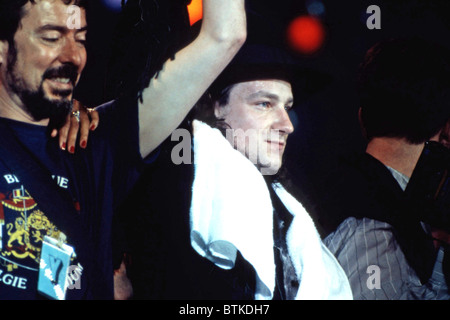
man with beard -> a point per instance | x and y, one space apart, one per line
56 208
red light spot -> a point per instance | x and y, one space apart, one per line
306 34
195 9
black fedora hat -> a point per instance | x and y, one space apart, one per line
265 55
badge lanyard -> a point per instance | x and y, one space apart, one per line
53 268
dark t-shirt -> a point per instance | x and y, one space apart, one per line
95 179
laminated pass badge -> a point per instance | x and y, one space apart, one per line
53 268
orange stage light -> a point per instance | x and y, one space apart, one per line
306 34
195 10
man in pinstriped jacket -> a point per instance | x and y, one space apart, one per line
387 253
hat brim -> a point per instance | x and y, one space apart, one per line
263 62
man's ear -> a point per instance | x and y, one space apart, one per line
220 111
444 136
3 51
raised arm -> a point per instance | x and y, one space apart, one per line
182 81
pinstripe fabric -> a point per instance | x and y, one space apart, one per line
368 252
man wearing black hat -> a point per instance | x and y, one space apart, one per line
226 227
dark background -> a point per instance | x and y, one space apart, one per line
326 124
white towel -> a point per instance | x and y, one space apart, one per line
320 275
231 210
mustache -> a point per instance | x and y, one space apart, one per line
65 71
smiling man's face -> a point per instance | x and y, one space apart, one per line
257 113
47 59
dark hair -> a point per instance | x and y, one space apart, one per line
11 12
204 108
404 89
148 33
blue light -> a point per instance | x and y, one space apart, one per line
113 5
315 7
